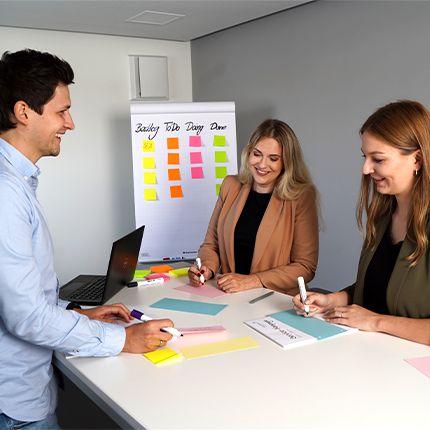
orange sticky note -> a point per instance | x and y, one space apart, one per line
172 143
161 269
172 158
174 174
176 192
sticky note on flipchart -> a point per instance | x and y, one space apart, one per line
148 162
195 141
213 348
149 194
162 356
219 141
174 174
217 189
197 172
176 192
149 178
172 143
189 306
172 158
140 274
220 172
220 157
196 158
313 326
148 146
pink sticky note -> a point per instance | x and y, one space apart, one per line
205 290
197 172
196 158
195 141
421 363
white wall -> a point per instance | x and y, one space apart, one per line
87 191
324 68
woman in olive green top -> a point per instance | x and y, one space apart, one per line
392 290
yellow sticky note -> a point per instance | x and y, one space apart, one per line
148 162
148 146
217 189
183 271
149 194
161 356
198 351
219 141
220 172
149 178
140 274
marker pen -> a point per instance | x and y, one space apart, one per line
199 266
141 316
303 295
146 282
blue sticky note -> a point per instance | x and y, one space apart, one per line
312 326
189 306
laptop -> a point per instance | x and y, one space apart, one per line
97 289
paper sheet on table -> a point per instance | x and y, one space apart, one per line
214 348
189 306
162 356
205 290
420 363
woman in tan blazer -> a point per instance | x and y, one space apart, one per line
392 290
264 229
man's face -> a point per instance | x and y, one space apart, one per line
45 131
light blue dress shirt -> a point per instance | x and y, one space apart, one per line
33 320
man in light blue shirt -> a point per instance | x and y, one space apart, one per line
34 322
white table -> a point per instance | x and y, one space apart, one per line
358 381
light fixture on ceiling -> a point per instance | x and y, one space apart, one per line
154 18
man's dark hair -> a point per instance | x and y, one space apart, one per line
31 76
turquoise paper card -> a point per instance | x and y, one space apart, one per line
189 306
312 326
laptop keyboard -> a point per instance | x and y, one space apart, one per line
91 291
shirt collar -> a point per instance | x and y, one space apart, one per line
20 162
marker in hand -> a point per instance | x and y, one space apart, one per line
303 295
141 316
199 266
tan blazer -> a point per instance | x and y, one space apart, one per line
408 291
286 245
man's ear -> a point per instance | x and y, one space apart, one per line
21 111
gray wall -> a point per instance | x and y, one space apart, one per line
323 68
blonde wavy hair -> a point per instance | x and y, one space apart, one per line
404 125
294 177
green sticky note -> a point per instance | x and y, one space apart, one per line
219 141
220 172
220 157
218 189
183 271
140 274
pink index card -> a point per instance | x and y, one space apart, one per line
204 290
158 275
195 141
196 158
420 363
197 172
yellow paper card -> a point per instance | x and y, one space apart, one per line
161 356
148 146
198 351
148 162
149 178
183 271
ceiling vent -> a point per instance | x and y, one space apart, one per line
154 18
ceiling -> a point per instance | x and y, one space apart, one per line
161 19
